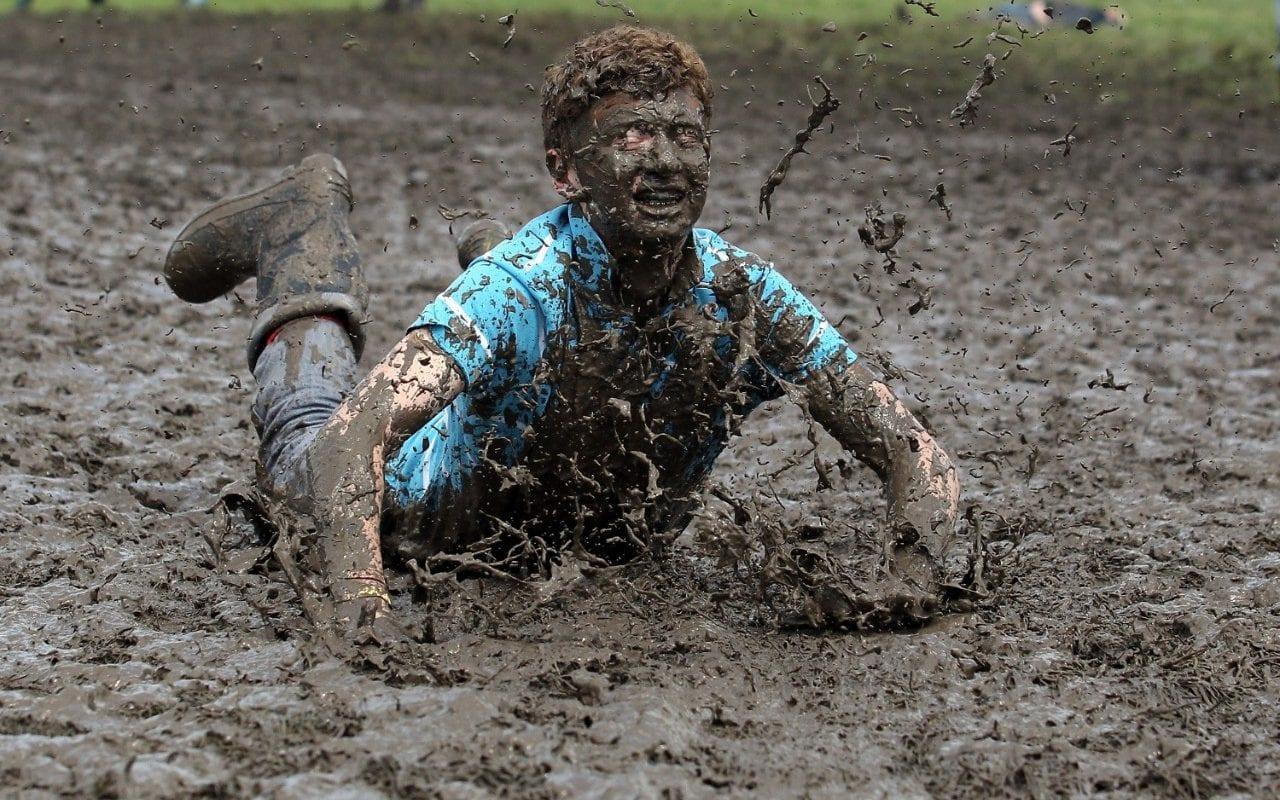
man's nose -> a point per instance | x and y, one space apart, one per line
662 154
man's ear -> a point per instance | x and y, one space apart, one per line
563 175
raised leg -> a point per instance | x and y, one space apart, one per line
295 237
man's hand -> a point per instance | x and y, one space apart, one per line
907 593
363 617
947 550
835 593
359 602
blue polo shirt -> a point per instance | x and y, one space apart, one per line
508 312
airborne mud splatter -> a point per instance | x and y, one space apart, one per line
967 112
821 108
1129 647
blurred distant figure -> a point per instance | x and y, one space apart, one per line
1044 13
25 5
393 6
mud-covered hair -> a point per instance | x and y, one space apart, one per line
625 58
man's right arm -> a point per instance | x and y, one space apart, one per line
408 387
451 346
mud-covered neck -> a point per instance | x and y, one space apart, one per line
602 275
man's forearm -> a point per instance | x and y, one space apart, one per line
922 487
413 383
347 469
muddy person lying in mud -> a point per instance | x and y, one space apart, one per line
572 388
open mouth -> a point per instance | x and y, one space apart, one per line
664 200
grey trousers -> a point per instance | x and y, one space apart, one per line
303 375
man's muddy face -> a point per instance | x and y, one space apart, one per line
640 165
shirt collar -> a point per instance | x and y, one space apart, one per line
592 266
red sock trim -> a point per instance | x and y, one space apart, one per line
334 318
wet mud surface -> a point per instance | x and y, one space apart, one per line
1093 335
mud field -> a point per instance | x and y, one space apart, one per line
1094 334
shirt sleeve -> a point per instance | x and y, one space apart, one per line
488 323
794 339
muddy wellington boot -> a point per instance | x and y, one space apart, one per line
294 235
479 238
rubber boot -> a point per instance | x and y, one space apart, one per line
479 238
294 235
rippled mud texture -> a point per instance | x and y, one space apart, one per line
1098 351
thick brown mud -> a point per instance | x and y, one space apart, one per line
1093 335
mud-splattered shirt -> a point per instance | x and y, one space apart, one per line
560 378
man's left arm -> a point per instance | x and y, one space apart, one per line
921 484
801 348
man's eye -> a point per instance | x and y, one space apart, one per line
689 136
637 134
